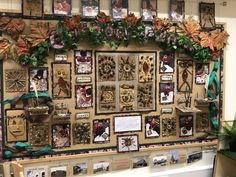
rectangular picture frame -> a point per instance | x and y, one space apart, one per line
32 8
61 134
127 123
83 61
207 15
166 92
59 171
119 9
38 79
201 73
177 10
152 126
35 171
101 131
61 80
90 8
185 125
127 143
148 9
83 96
101 167
61 7
167 62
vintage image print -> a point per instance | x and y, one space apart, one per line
139 162
152 126
58 171
119 9
177 10
186 125
90 8
38 79
201 72
101 131
207 15
148 9
61 80
83 94
167 62
61 7
101 167
166 93
61 135
80 169
83 61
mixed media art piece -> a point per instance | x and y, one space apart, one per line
83 94
39 134
148 9
101 131
119 9
35 172
80 169
166 93
38 79
130 123
185 125
159 160
83 61
201 72
167 62
81 133
15 80
184 75
101 167
207 15
58 171
90 8
61 80
127 143
125 81
152 126
169 127
61 7
141 161
16 125
32 8
177 10
202 122
61 135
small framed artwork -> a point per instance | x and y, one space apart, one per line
80 169
207 15
124 124
185 125
194 156
148 9
119 9
169 126
166 93
39 134
101 130
15 80
177 10
58 171
101 167
167 62
81 133
38 79
61 7
61 80
83 61
159 160
61 135
184 75
139 162
152 126
35 172
202 122
83 94
16 125
201 72
90 8
32 8
127 143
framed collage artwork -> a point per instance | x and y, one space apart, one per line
61 7
148 9
90 8
119 9
177 10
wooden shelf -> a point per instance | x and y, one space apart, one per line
188 109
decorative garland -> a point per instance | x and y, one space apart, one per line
33 49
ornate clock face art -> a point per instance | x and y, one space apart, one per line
15 80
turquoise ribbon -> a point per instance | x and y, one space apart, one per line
213 79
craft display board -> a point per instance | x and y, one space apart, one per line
103 98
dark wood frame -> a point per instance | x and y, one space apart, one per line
168 53
60 14
208 66
211 6
61 124
180 126
120 136
76 87
36 16
89 16
180 4
172 83
154 116
153 15
75 65
93 136
126 1
34 68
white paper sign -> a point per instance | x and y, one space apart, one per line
127 123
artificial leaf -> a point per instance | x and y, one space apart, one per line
207 40
132 20
3 22
103 18
72 23
15 27
5 46
157 23
22 47
220 39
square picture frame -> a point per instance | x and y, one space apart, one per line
119 9
127 123
83 61
166 92
81 133
148 9
61 135
90 8
15 80
61 7
127 143
84 96
16 125
152 126
207 15
61 80
185 125
201 73
32 8
167 62
177 10
101 131
38 79
39 134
